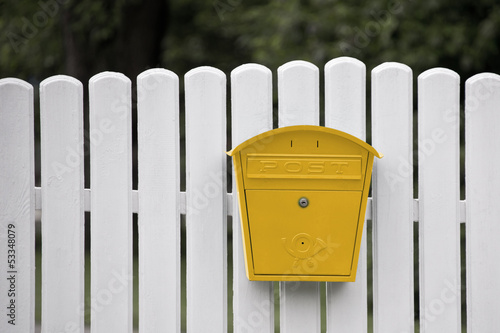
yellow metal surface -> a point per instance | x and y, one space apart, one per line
318 239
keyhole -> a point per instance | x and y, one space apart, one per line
303 202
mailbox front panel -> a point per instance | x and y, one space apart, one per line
302 192
290 239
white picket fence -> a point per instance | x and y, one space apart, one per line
159 203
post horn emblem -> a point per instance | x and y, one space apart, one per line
303 247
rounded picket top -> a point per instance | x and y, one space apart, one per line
16 111
157 73
438 93
104 77
480 89
61 96
203 73
205 89
344 62
298 63
391 68
110 94
482 76
14 82
432 73
154 79
205 85
12 89
17 98
297 67
345 95
489 81
63 80
251 101
251 69
253 75
61 85
392 90
298 93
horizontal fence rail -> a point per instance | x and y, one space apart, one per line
385 295
229 197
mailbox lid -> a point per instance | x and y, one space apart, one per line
266 139
287 239
304 157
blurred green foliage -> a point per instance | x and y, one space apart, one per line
80 38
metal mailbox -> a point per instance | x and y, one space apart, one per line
302 194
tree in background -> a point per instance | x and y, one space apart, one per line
461 35
81 38
84 37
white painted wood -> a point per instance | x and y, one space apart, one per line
345 110
298 94
392 113
17 205
206 231
63 228
159 216
463 214
63 200
482 128
135 201
111 203
298 86
229 199
251 97
345 96
439 199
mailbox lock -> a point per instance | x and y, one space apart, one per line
303 202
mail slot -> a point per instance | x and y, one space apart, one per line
302 194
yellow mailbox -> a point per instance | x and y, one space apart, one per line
302 192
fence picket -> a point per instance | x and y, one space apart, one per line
159 216
482 119
63 199
111 202
206 230
439 198
345 110
63 230
252 110
17 206
392 114
298 87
